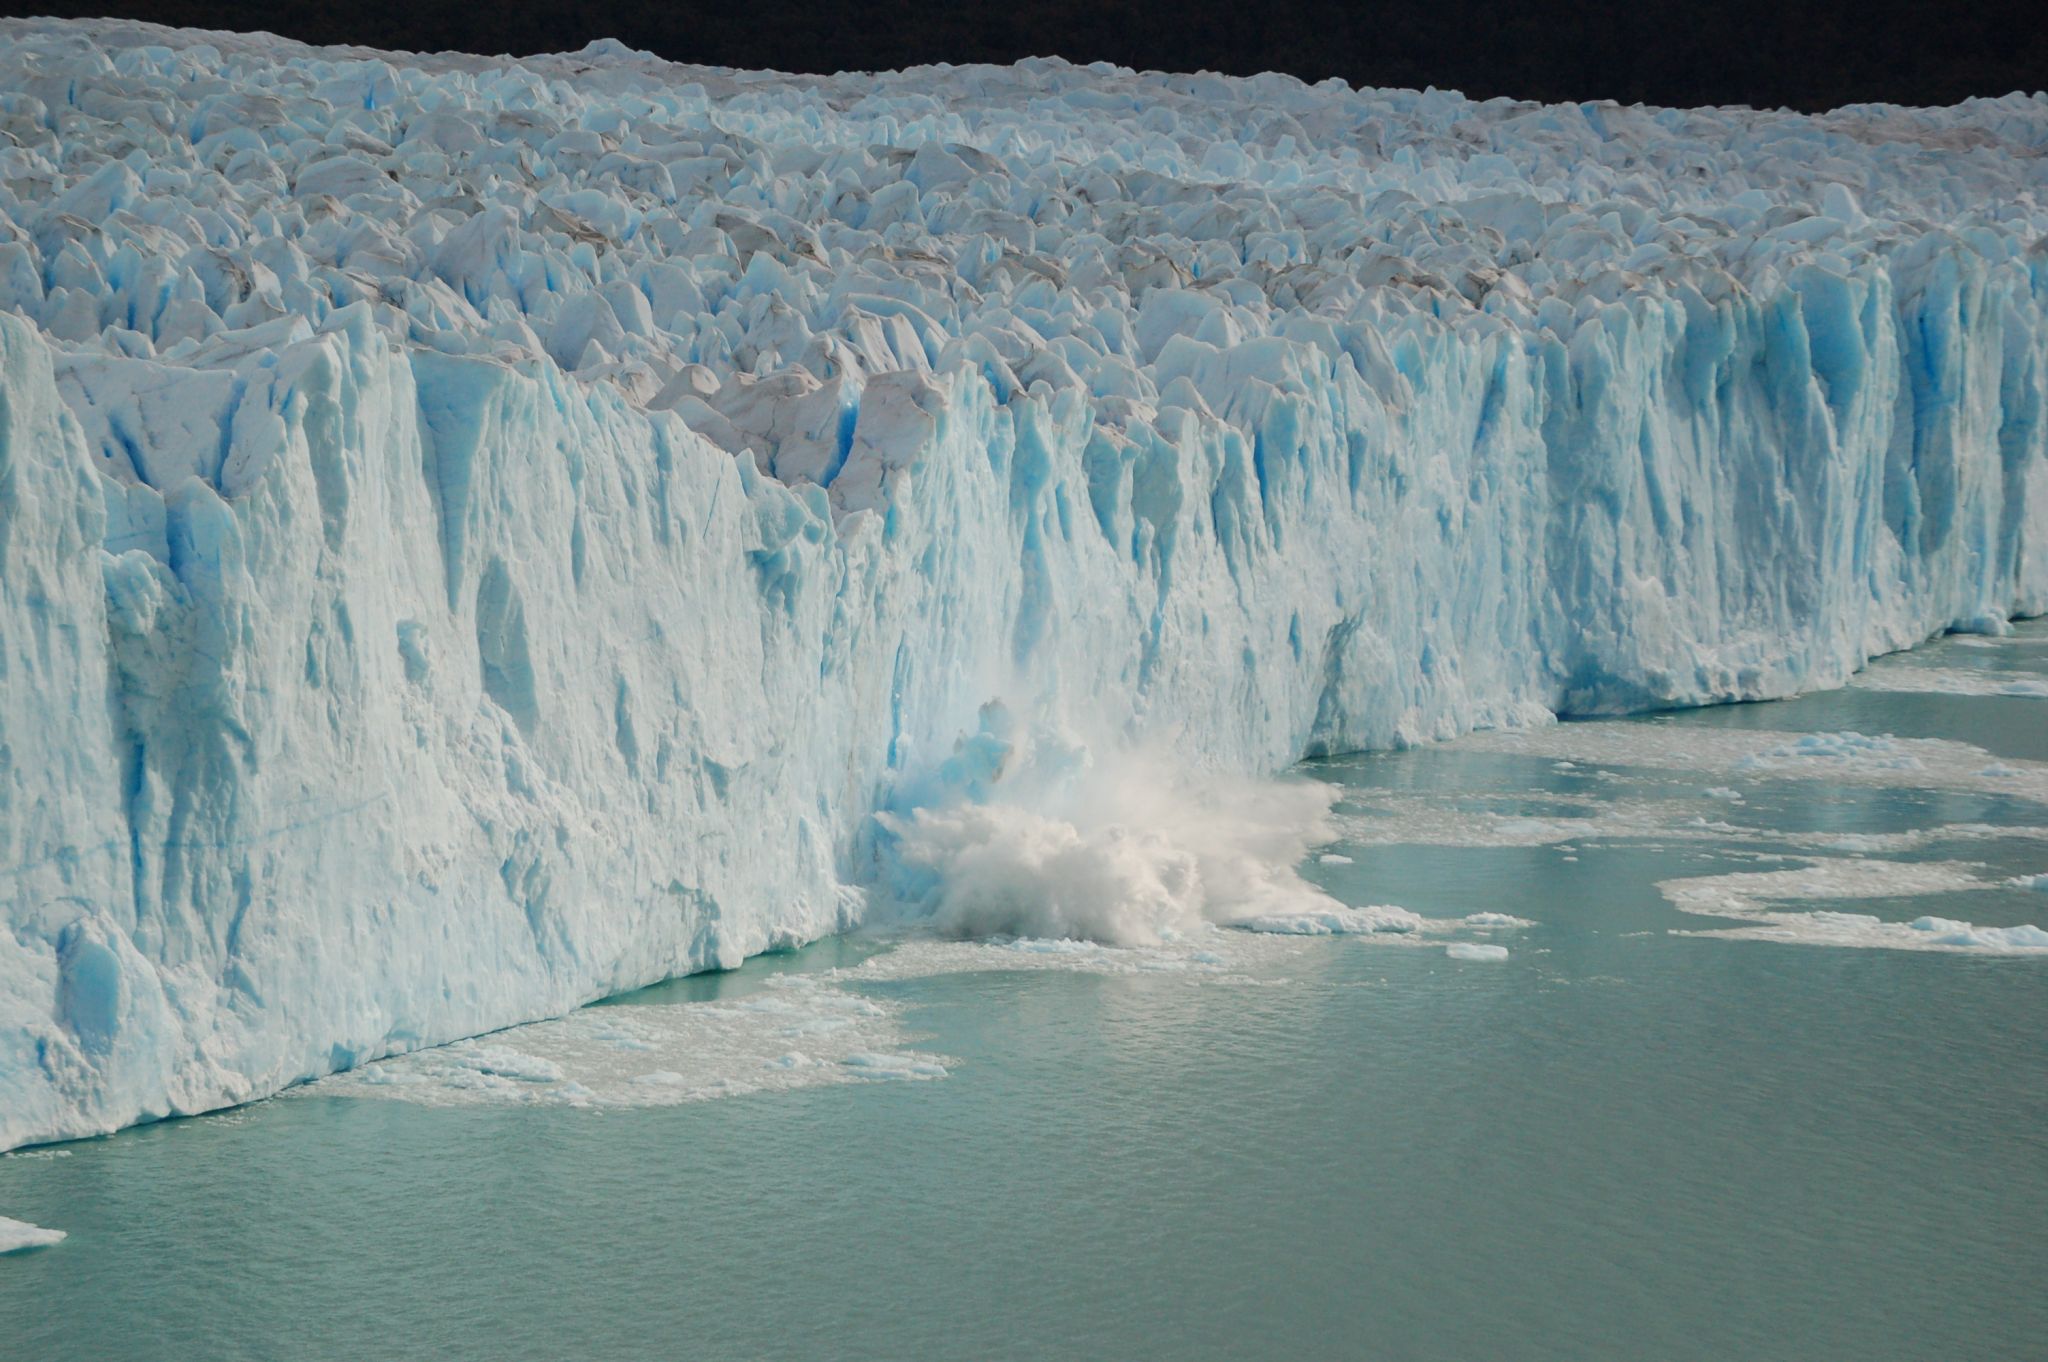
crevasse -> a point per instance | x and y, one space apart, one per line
476 536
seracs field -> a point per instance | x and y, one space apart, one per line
477 535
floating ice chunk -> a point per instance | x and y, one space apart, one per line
1337 920
1475 950
1492 920
2039 882
1948 932
1334 858
16 1235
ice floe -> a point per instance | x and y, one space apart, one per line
16 1235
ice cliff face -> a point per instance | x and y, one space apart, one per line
479 535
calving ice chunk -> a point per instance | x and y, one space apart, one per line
479 535
1029 834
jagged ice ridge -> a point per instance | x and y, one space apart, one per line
478 535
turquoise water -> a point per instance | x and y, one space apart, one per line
1622 1141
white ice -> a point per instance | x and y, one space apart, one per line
480 535
1761 901
16 1235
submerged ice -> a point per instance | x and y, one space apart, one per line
477 535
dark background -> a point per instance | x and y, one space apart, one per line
1806 54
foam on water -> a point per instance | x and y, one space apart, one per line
800 1031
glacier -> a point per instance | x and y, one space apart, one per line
481 535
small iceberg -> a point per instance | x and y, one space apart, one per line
18 1235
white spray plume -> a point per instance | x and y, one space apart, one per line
1035 836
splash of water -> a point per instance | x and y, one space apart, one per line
1031 833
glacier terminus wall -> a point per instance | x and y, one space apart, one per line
479 535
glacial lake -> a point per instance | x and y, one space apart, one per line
1722 1098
